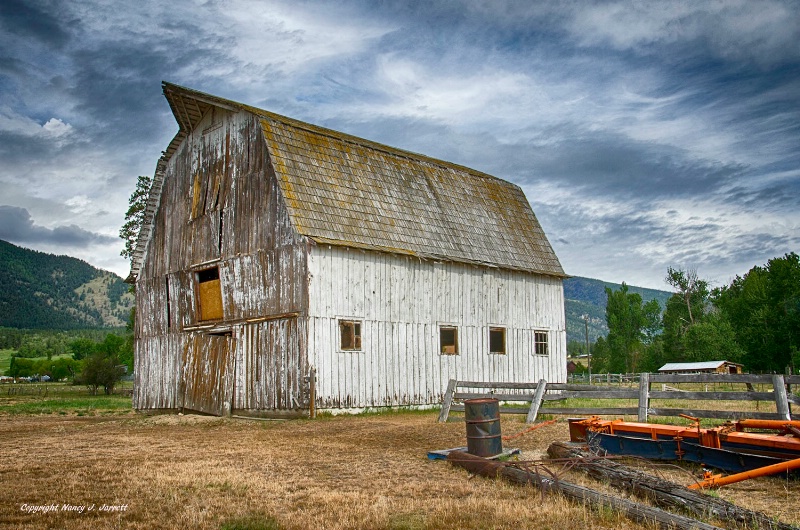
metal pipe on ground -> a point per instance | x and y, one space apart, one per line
715 481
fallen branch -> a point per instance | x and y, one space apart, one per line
637 512
662 492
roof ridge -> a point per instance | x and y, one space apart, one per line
326 131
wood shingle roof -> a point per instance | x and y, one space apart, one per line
344 190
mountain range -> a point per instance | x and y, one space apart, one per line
45 291
585 305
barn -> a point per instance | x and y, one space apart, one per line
703 367
284 268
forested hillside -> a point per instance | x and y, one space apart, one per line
44 291
585 296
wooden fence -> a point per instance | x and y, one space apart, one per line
538 394
50 390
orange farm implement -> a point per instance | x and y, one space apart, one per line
733 447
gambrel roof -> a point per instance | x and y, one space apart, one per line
344 190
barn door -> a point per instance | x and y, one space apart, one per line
208 374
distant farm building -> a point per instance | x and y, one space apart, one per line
572 366
705 367
283 267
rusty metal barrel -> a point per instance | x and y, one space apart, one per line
482 416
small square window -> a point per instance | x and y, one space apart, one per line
209 295
540 343
497 340
350 335
448 340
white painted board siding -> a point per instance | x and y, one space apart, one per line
401 302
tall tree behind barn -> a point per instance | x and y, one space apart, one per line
273 250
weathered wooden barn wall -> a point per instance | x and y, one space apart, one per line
158 371
401 301
271 366
208 374
221 207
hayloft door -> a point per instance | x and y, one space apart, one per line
208 370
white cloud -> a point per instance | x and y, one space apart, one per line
292 35
78 203
16 123
56 128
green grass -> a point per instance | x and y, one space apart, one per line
5 360
87 406
59 398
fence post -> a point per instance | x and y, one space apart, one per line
536 402
644 395
448 400
781 398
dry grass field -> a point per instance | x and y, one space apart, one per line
368 471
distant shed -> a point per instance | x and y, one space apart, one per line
705 367
283 268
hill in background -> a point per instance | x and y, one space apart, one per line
44 291
585 296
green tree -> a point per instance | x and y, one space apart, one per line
601 356
100 370
712 339
763 308
63 368
81 348
134 217
20 367
694 330
630 327
654 357
692 291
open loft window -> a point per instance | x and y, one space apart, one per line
448 340
209 295
497 341
350 335
540 343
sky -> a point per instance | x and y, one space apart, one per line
645 135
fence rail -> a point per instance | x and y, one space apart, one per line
45 390
537 394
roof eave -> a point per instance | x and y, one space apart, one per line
432 257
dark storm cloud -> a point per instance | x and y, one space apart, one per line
17 226
615 165
781 196
25 20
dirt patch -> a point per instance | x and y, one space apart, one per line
334 473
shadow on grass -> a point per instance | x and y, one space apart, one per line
251 522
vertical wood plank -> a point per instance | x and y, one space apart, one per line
536 402
448 400
644 396
781 397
